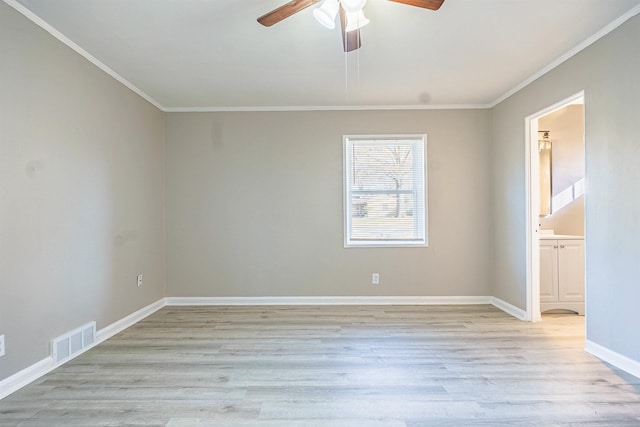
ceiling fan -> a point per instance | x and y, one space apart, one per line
351 16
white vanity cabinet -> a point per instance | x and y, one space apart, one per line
562 273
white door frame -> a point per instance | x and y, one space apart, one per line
532 176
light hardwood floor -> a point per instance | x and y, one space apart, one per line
400 366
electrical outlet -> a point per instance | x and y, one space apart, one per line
375 279
139 280
1 345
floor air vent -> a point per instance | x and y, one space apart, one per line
68 345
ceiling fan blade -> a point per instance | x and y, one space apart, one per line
426 4
285 11
350 40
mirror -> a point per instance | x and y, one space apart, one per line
544 154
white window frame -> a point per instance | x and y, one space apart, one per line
419 185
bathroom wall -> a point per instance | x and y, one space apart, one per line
566 128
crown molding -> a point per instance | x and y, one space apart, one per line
71 44
326 108
562 58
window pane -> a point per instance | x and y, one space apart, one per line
384 216
385 191
382 166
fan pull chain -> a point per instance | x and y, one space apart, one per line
346 74
346 77
358 70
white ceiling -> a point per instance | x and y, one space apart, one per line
212 54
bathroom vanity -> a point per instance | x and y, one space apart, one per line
562 279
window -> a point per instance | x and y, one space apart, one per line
385 190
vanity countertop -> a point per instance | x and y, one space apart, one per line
559 237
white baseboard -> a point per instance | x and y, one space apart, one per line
616 359
28 375
516 312
18 380
122 324
364 300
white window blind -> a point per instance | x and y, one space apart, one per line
385 190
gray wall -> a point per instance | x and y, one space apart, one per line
608 72
254 206
81 194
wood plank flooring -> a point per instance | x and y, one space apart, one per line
330 366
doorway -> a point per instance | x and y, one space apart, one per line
552 201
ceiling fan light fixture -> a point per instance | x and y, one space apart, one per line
355 21
351 15
326 13
352 6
